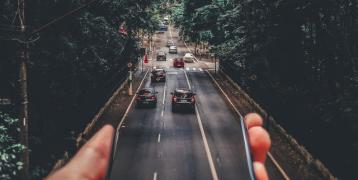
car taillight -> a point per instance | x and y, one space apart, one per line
174 99
138 98
153 97
193 99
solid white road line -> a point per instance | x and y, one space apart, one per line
155 176
165 89
159 138
203 135
283 173
187 79
206 146
131 103
126 113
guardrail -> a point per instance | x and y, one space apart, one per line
230 73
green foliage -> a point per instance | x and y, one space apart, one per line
74 66
298 58
177 14
189 20
10 148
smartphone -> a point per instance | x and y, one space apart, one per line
248 151
248 154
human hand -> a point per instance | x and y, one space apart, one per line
91 161
260 143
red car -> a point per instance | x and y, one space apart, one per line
178 63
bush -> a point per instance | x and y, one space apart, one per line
10 148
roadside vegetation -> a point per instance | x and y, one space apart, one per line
298 59
75 65
10 149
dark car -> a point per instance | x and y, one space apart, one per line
163 27
158 75
183 99
161 56
178 63
147 96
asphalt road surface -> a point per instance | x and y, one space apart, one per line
154 143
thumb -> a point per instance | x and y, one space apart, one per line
92 160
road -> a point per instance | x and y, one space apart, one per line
154 143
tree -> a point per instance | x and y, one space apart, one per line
10 148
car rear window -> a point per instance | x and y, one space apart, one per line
183 94
158 72
144 92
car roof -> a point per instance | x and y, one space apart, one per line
161 52
182 90
158 69
188 54
151 89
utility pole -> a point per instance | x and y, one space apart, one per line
23 97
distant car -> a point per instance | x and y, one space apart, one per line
158 75
170 43
147 96
178 62
188 57
166 20
183 99
173 50
162 27
161 56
